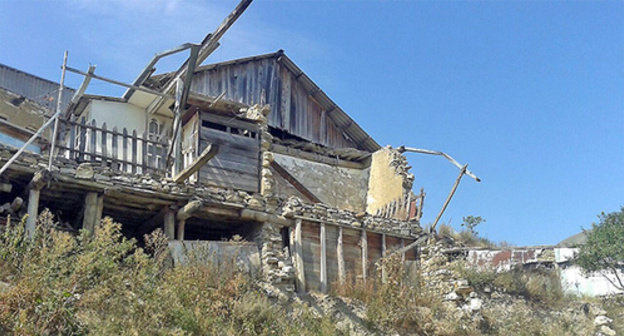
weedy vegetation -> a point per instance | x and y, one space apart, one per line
58 283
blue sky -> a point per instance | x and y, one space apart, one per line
529 93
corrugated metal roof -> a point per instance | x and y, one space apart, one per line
36 89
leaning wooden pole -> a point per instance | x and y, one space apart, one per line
58 111
448 199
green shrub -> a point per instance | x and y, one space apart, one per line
538 285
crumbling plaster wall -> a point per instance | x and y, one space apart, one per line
339 187
389 179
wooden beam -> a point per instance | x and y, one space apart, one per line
205 156
323 238
299 265
112 81
188 210
39 180
207 46
450 195
412 245
295 183
364 245
340 255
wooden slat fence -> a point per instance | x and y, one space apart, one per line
123 150
404 208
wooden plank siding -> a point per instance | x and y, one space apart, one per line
331 235
310 233
374 253
392 244
238 161
267 81
352 251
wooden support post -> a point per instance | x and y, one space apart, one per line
90 211
323 259
364 244
340 255
33 212
299 266
100 209
384 275
39 180
169 224
181 225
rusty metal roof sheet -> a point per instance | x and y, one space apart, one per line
36 89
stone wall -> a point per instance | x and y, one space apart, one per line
277 267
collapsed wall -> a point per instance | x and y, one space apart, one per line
390 184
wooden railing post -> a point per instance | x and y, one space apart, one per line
72 139
115 154
144 153
104 149
124 145
93 141
82 140
134 151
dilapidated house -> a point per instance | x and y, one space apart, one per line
249 148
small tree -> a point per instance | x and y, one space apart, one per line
471 222
604 250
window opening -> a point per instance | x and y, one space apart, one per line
154 153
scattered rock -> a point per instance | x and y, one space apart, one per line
452 296
605 330
84 171
602 320
475 304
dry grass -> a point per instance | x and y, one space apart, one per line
103 284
